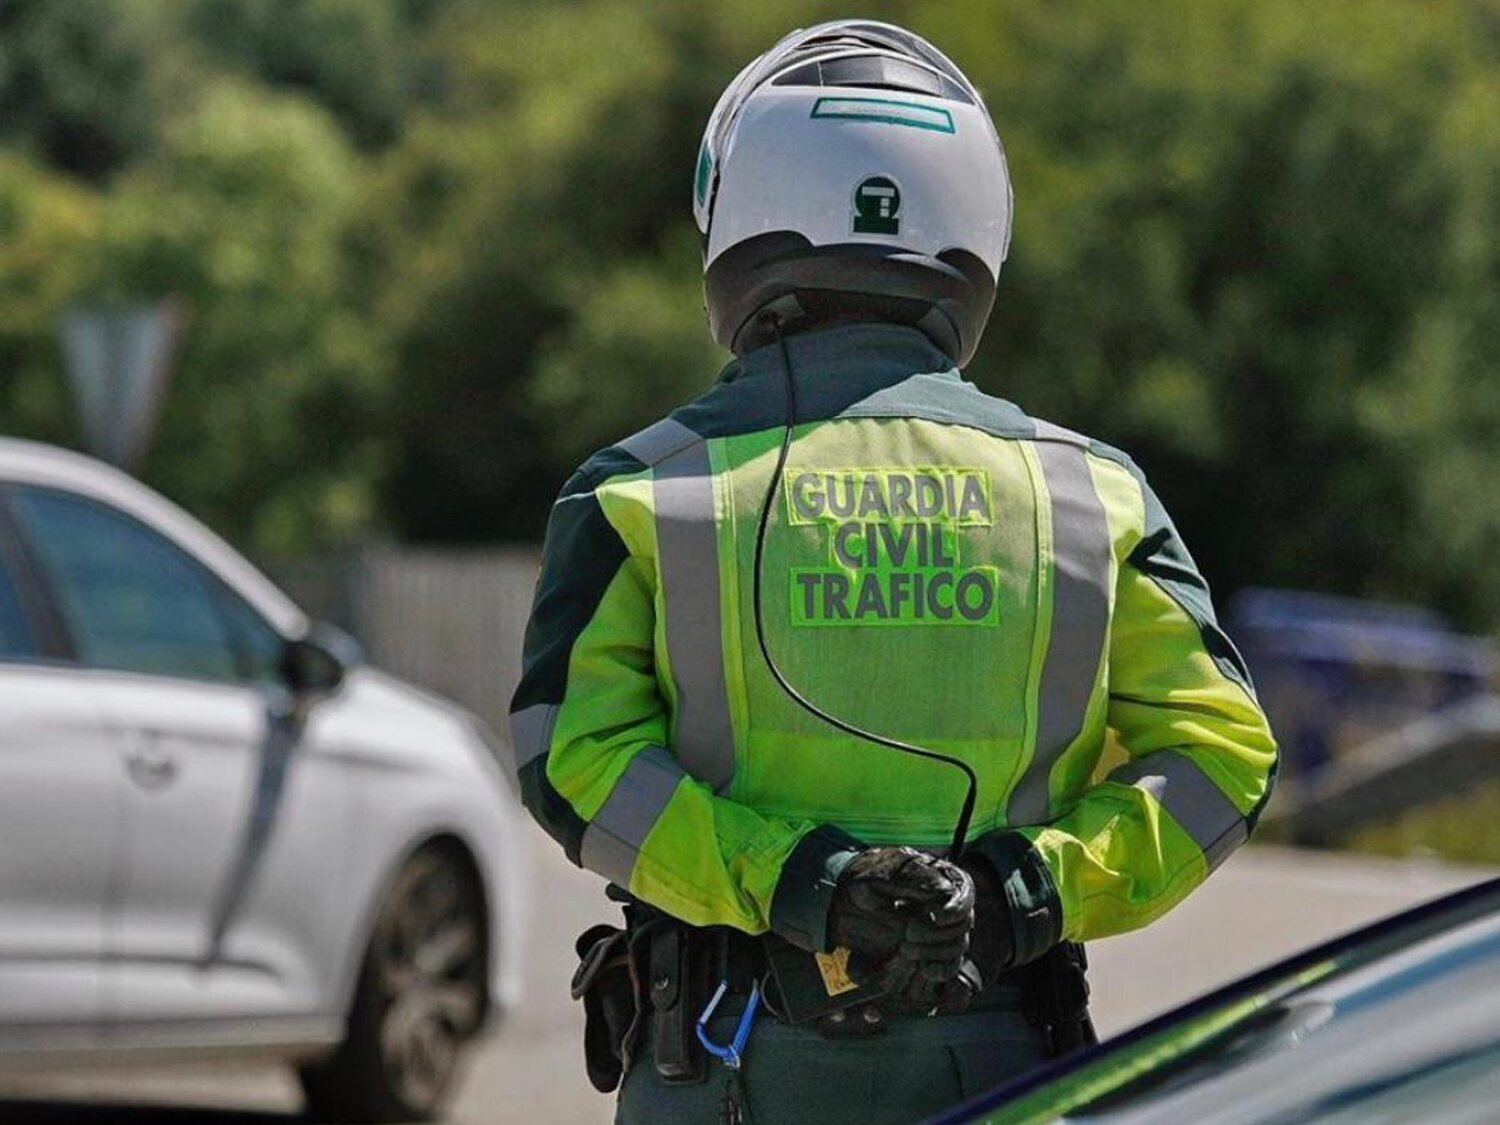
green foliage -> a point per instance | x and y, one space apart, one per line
633 311
73 83
239 214
47 225
362 61
1248 234
437 250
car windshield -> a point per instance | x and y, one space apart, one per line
1394 1023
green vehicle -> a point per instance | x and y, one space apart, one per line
1397 1022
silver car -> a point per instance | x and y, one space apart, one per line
219 833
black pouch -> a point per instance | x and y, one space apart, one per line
815 986
679 964
1055 991
608 986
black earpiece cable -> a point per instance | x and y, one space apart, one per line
961 829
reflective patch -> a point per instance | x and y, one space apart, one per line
658 441
885 111
1192 799
614 837
688 553
531 732
1082 569
894 538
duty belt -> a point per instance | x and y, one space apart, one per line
1052 991
675 968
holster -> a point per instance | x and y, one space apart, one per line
1055 997
656 966
609 986
679 966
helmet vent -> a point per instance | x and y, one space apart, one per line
874 72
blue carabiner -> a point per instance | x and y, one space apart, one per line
732 1055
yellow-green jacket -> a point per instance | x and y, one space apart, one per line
940 568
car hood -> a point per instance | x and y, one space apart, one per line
1380 1015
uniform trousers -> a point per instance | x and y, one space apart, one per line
792 1075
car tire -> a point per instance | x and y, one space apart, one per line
421 996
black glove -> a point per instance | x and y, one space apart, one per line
991 943
906 916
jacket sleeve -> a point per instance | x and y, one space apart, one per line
1202 763
589 732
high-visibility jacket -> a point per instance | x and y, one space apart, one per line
940 568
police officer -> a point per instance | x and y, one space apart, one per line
843 545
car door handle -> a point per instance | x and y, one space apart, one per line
150 767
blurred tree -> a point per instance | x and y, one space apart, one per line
634 310
439 249
268 432
540 224
74 84
47 225
1237 231
363 60
1245 234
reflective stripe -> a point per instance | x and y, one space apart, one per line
1192 799
613 839
1082 557
531 732
658 441
687 549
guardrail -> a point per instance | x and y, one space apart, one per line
1435 757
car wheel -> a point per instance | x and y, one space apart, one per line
421 997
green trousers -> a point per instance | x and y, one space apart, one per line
792 1075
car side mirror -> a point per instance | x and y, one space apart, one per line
318 662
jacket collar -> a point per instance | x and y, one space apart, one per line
874 355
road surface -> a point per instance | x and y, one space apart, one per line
1264 904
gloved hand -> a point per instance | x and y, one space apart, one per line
906 916
991 949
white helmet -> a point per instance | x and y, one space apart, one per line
852 167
